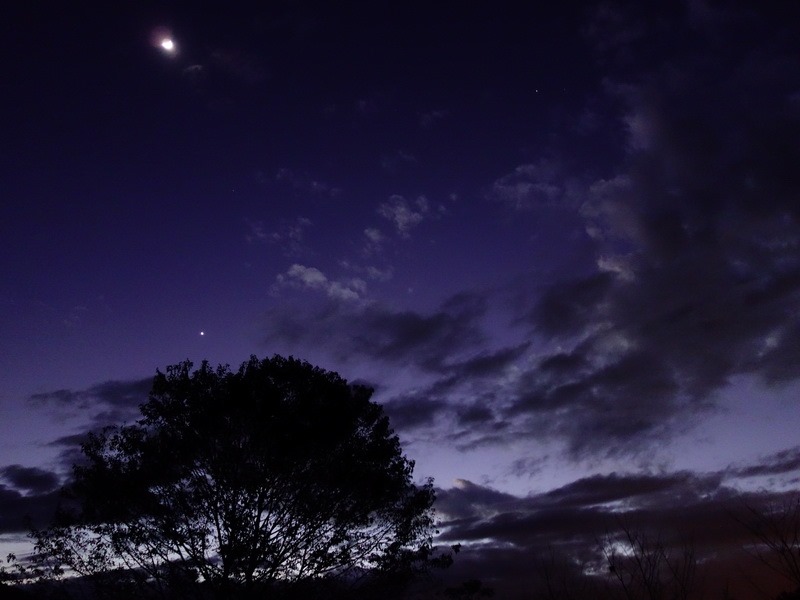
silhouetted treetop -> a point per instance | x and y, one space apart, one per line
276 473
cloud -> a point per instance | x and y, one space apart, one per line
696 274
30 479
405 215
614 28
76 316
530 185
460 372
428 339
487 363
312 278
467 390
367 105
638 489
584 509
396 161
476 381
601 409
468 500
379 274
695 278
474 414
374 240
290 236
697 239
70 446
430 118
783 462
508 538
211 77
379 333
194 73
374 235
372 272
414 411
305 184
122 395
106 403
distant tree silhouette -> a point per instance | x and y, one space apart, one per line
776 531
275 476
646 568
564 578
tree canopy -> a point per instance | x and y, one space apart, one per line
276 474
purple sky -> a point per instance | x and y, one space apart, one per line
561 242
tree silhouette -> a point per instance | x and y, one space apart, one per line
775 528
646 567
275 475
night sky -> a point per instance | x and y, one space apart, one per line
560 240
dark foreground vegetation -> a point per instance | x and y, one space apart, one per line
276 480
280 480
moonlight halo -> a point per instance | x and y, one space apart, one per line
161 38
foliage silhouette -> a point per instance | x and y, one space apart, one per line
277 475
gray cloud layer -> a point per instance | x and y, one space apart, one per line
697 242
521 543
698 247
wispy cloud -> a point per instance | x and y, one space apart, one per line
290 236
374 240
371 272
431 117
303 183
534 184
314 279
785 462
404 214
394 162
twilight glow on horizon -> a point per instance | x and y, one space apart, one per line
561 241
